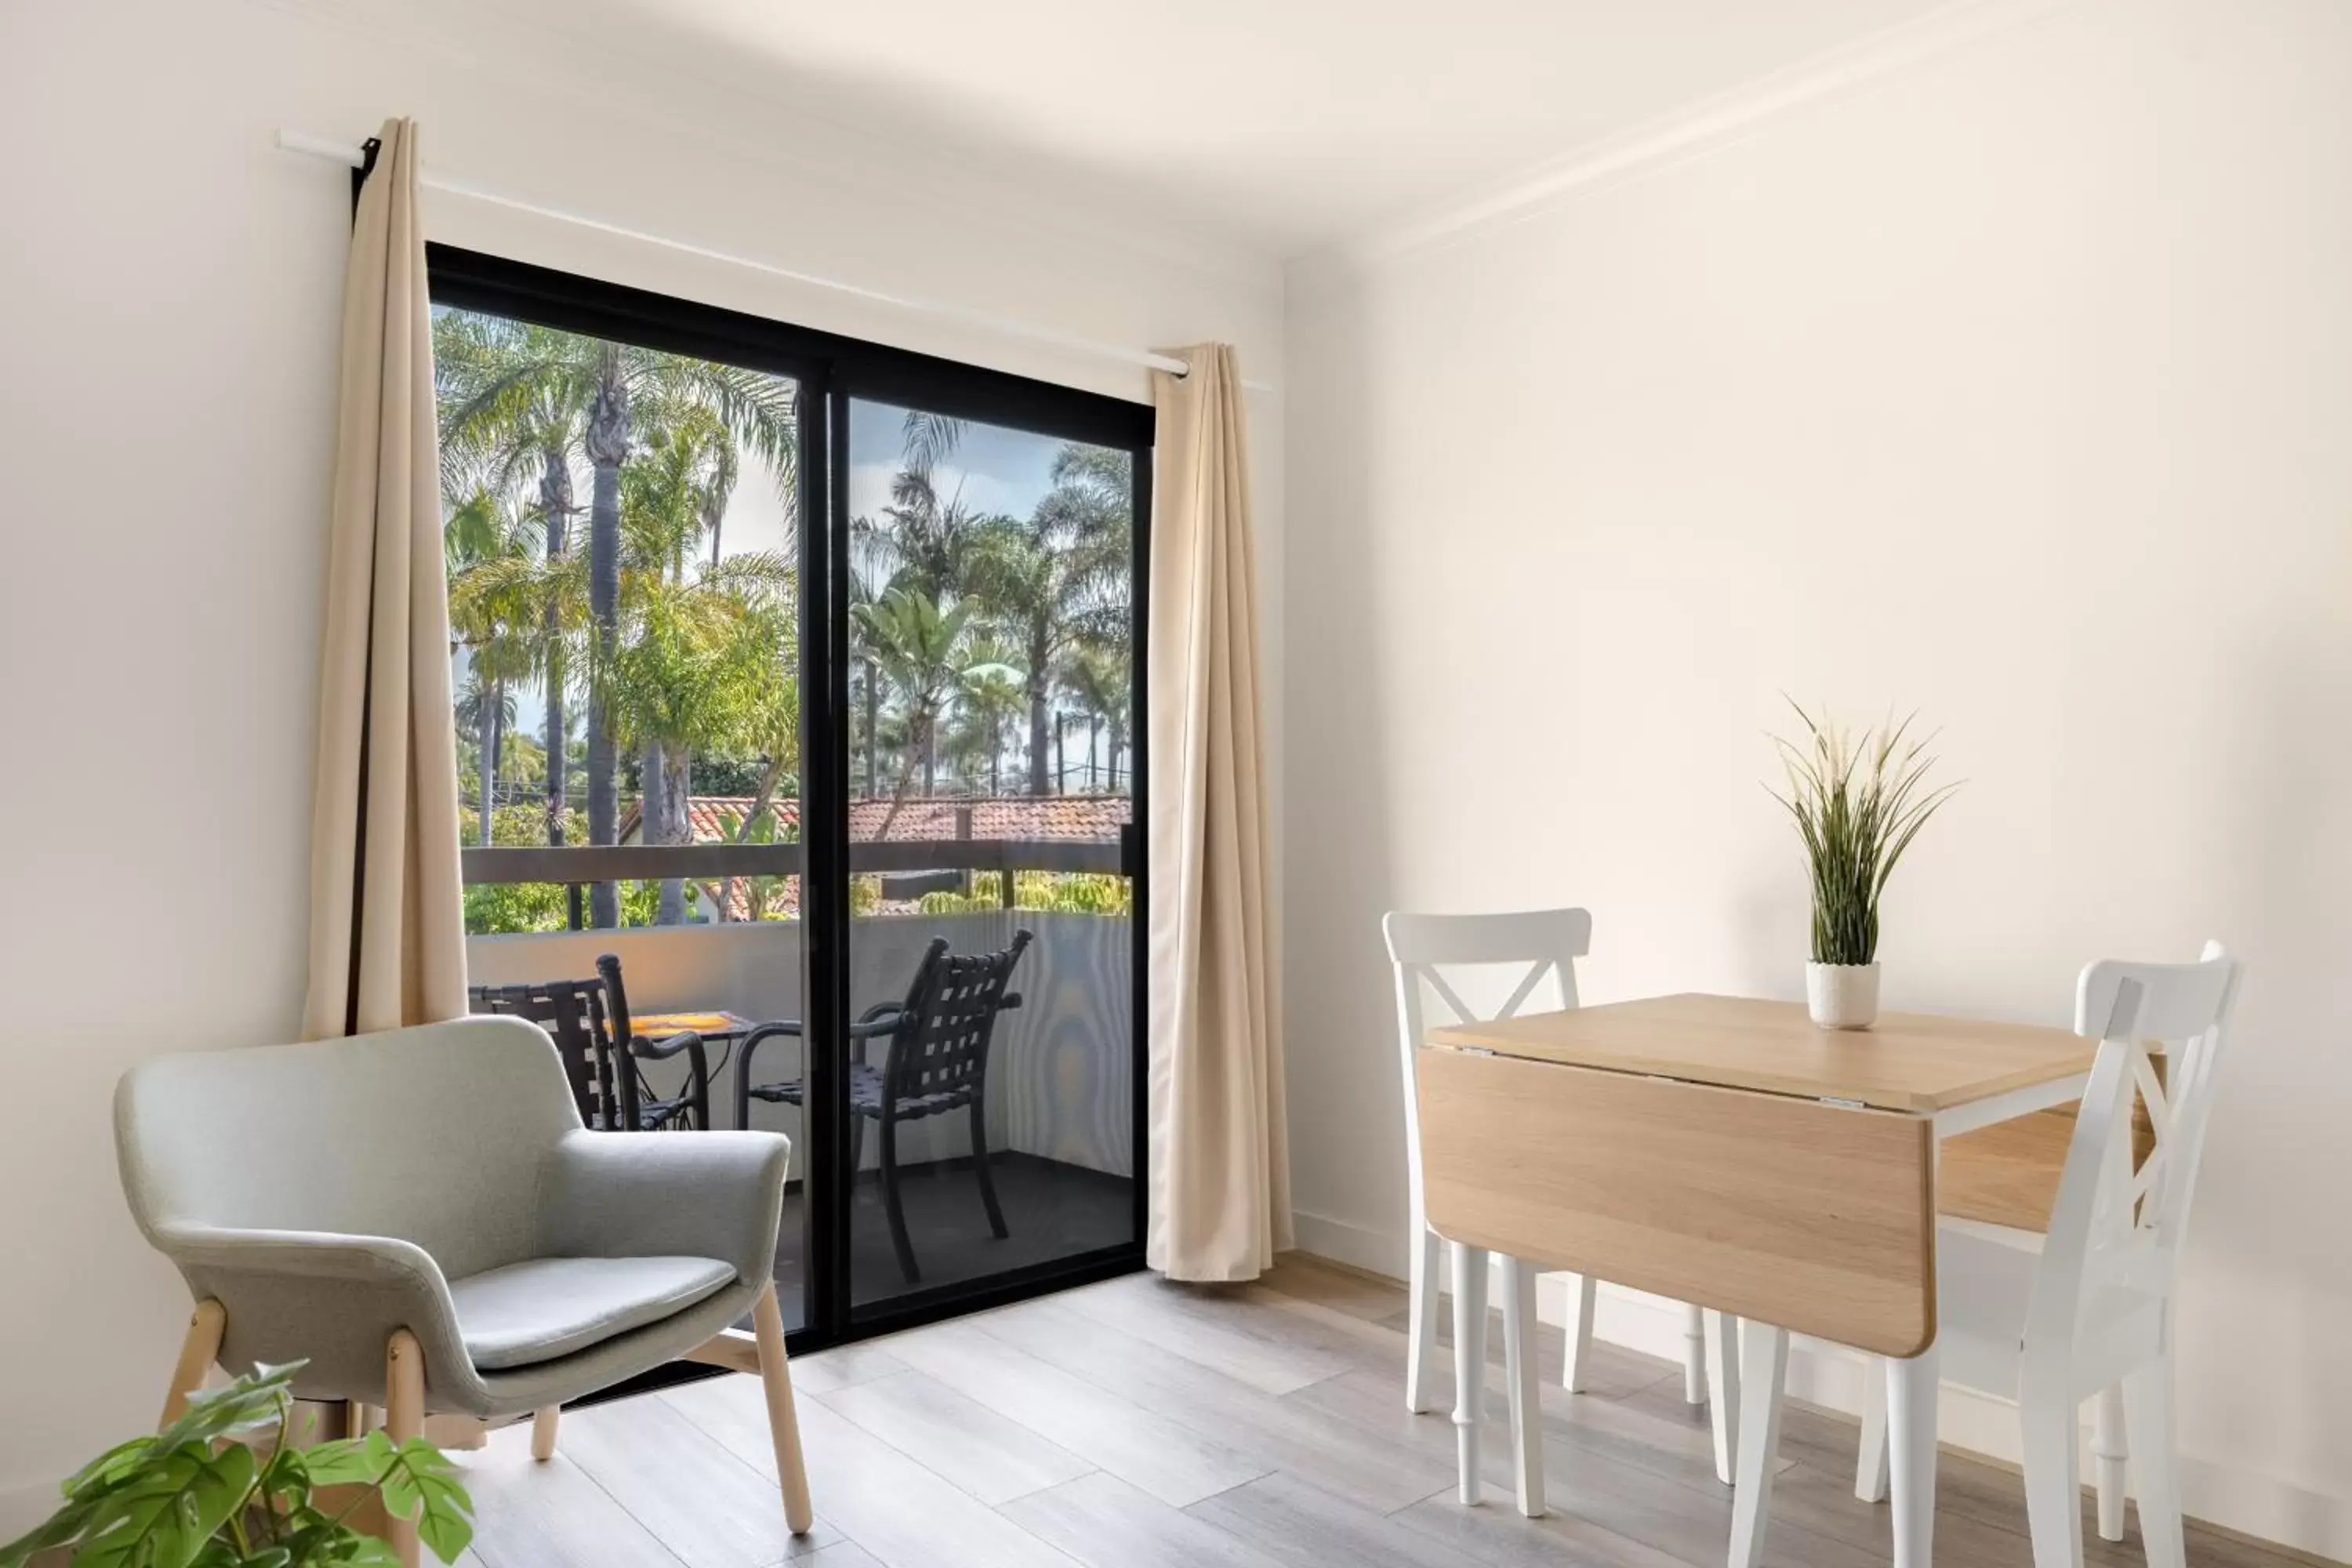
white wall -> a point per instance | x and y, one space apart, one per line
168 299
2014 385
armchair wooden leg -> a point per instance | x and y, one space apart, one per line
784 1421
198 1350
542 1431
404 1417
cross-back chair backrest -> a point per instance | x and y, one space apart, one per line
578 1017
940 1045
2114 1223
1543 943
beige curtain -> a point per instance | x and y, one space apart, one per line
1220 1155
387 937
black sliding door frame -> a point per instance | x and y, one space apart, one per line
830 369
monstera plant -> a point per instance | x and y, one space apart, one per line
222 1487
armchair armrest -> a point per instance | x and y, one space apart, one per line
325 1297
714 1194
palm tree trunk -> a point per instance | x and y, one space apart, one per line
666 818
873 728
916 722
608 449
1037 726
499 742
486 762
555 503
1094 723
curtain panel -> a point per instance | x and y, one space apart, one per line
1219 1172
387 920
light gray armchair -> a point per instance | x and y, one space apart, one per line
421 1217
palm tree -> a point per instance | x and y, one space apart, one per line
516 439
706 642
990 703
922 650
507 388
1061 578
1097 677
922 541
481 538
485 705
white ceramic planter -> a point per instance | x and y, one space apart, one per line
1843 995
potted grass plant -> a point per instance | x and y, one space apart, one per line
1858 801
222 1487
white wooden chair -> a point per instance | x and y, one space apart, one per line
1545 943
2090 1312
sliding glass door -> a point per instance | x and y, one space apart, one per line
800 678
991 1089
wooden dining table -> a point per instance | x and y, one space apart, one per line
1723 1151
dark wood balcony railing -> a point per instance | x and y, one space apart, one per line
580 864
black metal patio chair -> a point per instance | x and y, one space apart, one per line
602 1058
936 1062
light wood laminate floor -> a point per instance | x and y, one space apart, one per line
1142 1425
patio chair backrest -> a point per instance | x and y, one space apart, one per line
578 1017
941 1045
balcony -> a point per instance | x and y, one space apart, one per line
1060 1086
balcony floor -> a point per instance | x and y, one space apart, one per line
1052 1210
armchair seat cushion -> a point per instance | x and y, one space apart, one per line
537 1310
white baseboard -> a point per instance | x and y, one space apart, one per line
1831 1376
1357 1246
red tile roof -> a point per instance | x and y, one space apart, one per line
1068 818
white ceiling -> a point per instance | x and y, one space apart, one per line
1276 125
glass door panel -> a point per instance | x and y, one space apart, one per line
621 527
991 1083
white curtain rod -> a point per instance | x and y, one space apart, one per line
353 156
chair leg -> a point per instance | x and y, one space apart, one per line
199 1348
1469 1363
2155 1462
2110 1450
1723 1392
892 1204
1581 1298
404 1417
784 1419
1420 1319
1519 1375
2053 1497
542 1431
1763 1367
979 1166
1693 1355
1870 1459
